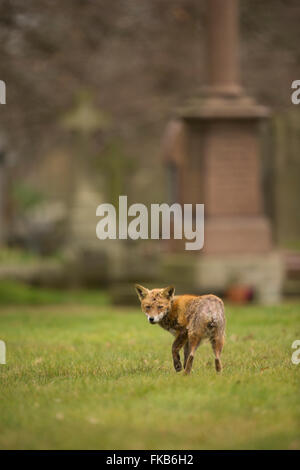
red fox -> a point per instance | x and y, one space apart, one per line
189 318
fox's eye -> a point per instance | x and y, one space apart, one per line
147 307
160 307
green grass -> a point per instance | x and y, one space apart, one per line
15 293
83 376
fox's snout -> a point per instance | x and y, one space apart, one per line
155 318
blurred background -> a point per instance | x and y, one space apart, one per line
138 98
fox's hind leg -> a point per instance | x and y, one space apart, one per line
217 343
186 353
194 342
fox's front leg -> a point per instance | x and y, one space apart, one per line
176 346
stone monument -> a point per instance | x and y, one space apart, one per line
214 150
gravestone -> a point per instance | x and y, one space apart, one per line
215 146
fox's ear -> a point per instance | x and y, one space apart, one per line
169 292
141 291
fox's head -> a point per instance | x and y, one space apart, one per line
155 303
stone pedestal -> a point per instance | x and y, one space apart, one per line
264 274
215 273
221 168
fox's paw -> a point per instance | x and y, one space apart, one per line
178 366
218 365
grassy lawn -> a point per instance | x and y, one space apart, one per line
93 376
